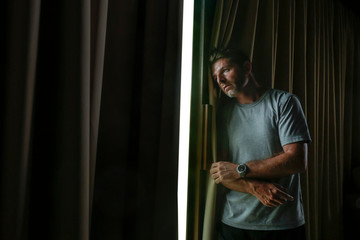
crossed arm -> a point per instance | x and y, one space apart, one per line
292 160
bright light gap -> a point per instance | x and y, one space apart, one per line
185 100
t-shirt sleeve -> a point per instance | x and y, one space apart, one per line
292 123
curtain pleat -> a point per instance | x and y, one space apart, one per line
245 26
265 48
136 156
224 20
18 108
226 14
283 62
98 38
90 104
274 39
85 118
70 130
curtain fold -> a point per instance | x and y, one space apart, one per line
136 156
90 106
99 11
309 48
18 97
225 17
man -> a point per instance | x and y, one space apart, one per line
263 138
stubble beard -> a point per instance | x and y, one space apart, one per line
232 93
240 85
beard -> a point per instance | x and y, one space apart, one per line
240 85
232 93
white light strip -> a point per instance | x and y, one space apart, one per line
184 131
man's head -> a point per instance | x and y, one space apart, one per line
235 56
231 70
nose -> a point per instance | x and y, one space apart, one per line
220 79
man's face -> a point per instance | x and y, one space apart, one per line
228 76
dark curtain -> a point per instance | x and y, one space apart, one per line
138 131
89 119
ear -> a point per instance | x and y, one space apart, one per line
247 67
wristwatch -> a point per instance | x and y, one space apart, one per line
242 169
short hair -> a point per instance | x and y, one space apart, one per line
234 56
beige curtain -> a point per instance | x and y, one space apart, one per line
225 15
202 190
308 48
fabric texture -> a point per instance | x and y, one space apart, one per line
258 131
89 95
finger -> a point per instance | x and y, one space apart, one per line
273 203
282 188
266 200
285 196
269 203
214 176
213 170
278 201
277 196
215 164
284 192
282 195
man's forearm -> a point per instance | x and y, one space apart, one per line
269 194
292 160
239 185
283 164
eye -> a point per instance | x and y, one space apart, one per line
226 70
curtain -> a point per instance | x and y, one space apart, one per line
45 131
309 48
135 192
221 32
89 100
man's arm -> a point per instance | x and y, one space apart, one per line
269 194
292 160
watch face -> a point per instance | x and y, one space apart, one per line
241 168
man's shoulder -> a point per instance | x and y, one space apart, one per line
280 96
280 93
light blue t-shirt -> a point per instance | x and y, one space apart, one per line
258 131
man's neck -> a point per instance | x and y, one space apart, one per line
250 94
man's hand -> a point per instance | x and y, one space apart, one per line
224 172
269 194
